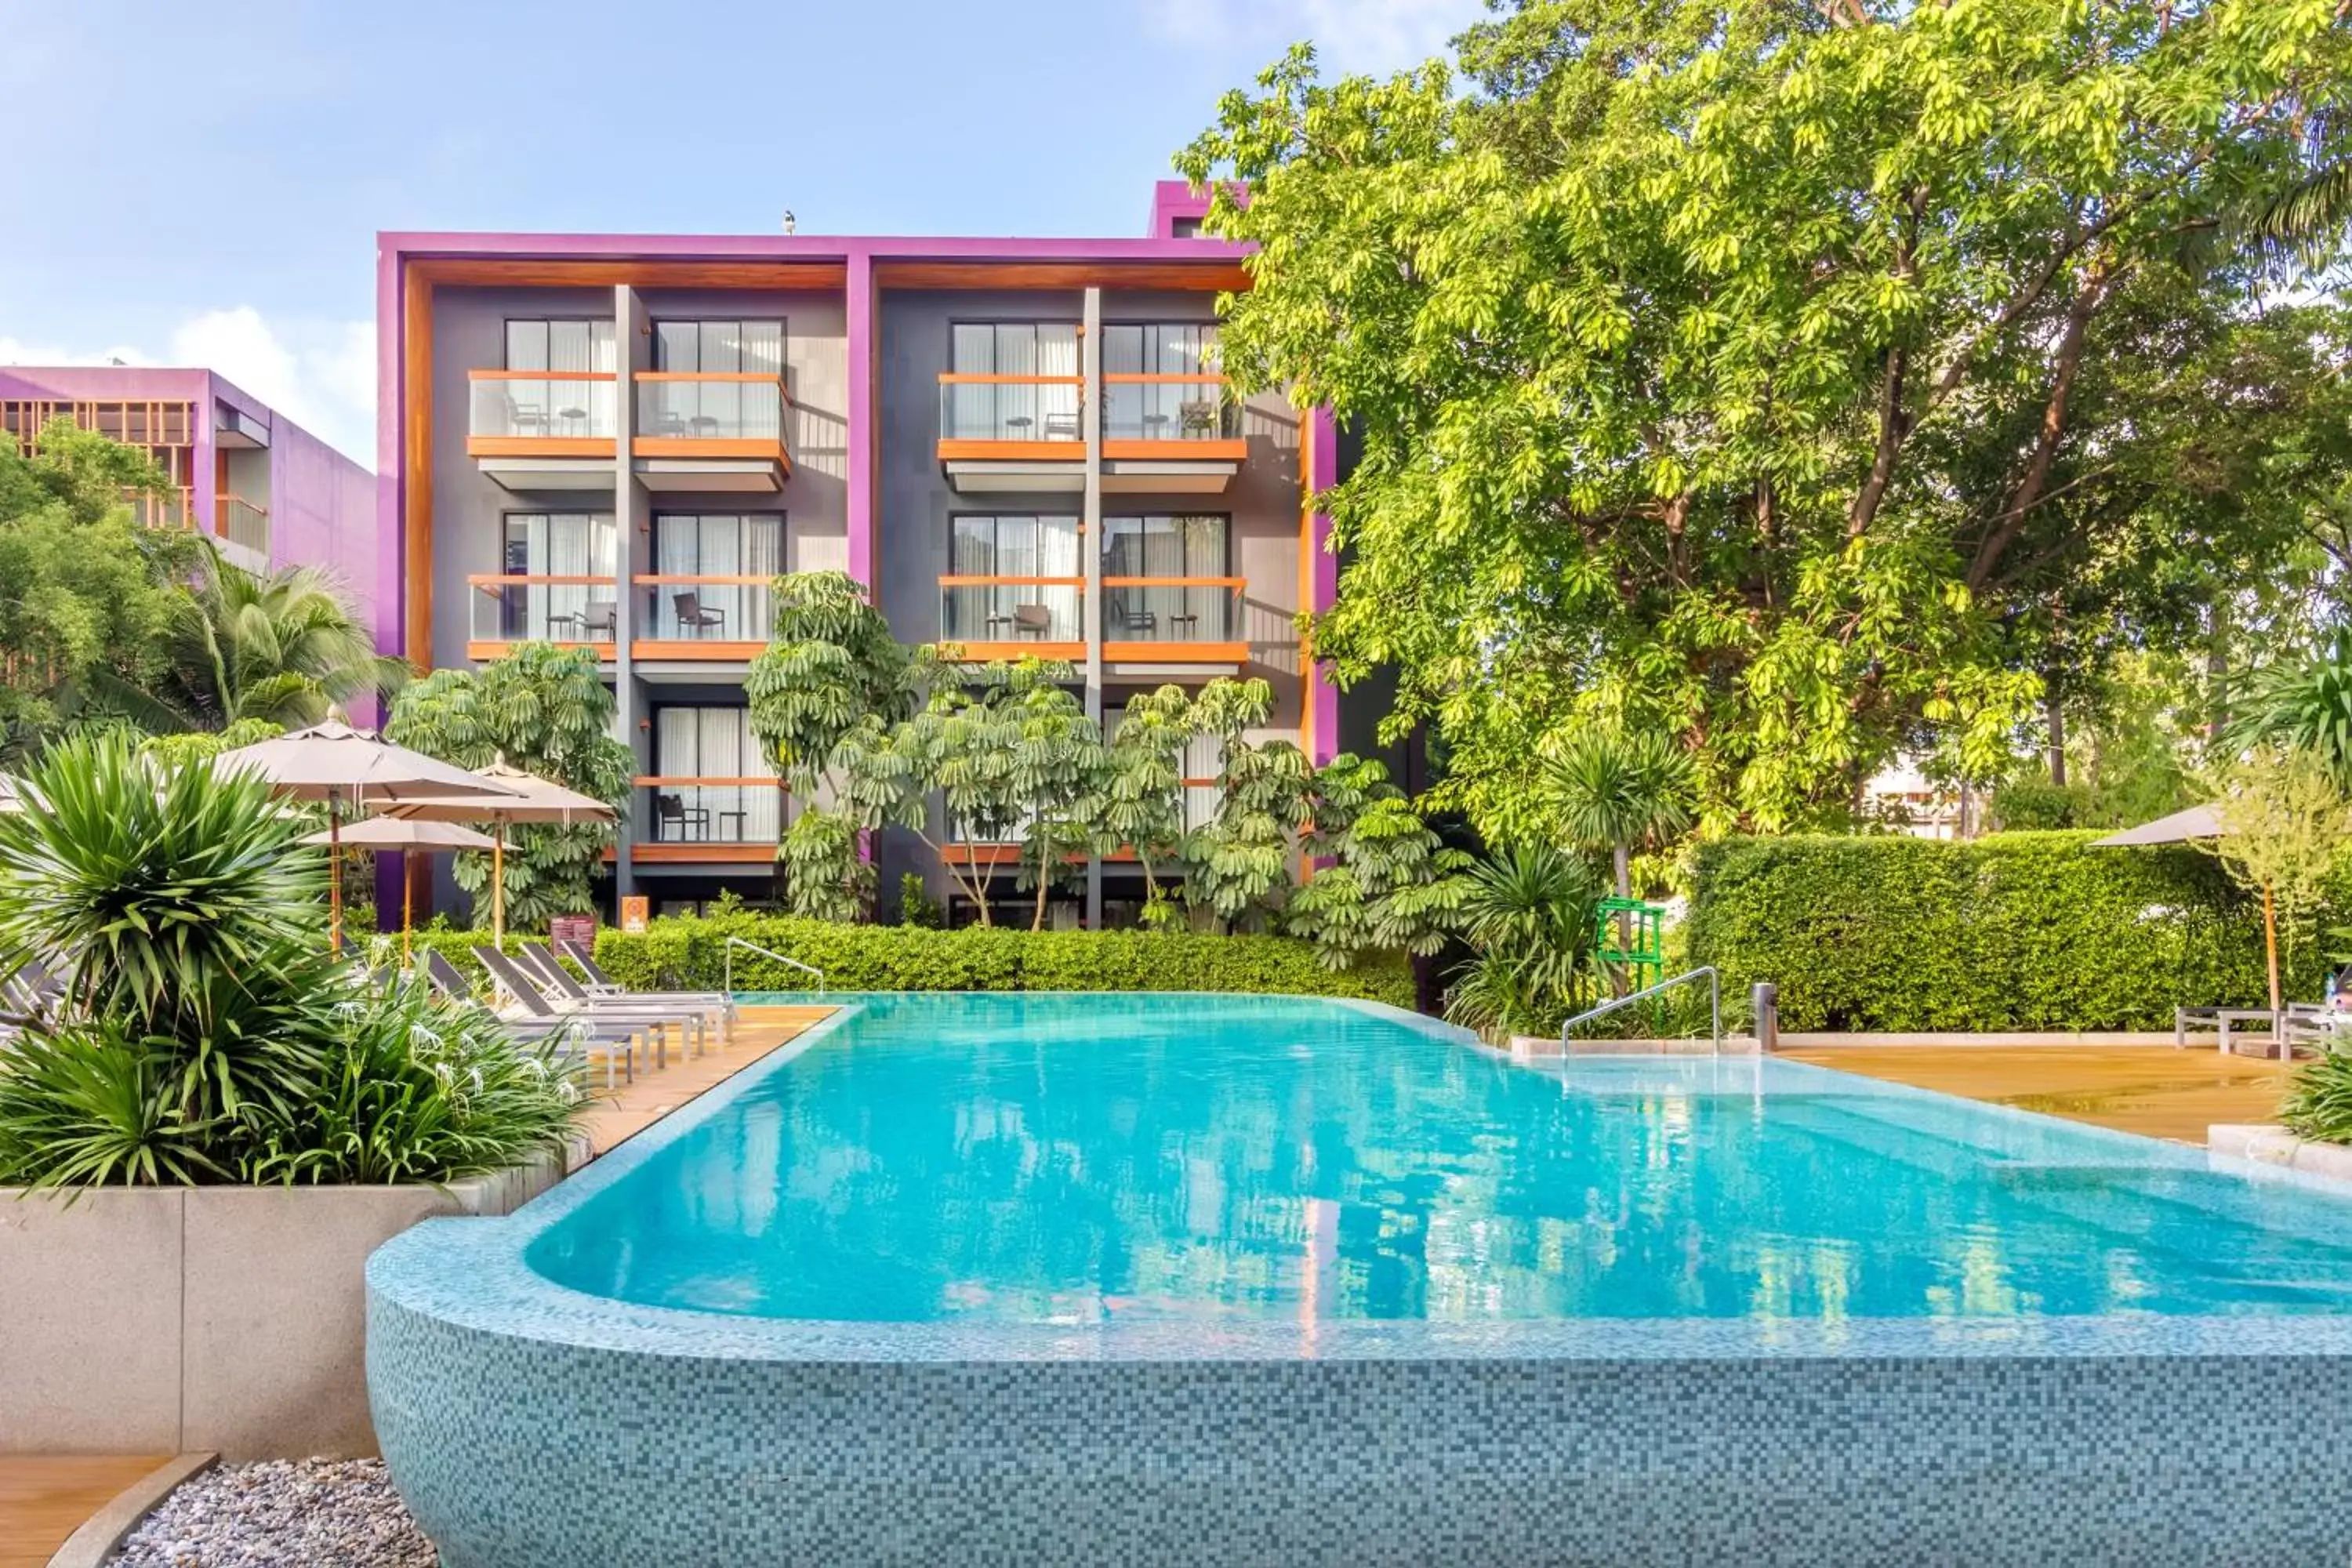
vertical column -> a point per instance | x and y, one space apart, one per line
1090 545
630 355
862 456
1319 568
390 500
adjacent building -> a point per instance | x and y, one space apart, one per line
268 491
1021 445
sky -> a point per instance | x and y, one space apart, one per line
201 185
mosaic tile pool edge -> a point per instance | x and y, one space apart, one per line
516 1452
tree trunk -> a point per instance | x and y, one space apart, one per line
2054 706
1622 858
1045 881
2270 951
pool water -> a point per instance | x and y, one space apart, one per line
1085 1159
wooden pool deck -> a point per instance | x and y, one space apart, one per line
2154 1091
635 1107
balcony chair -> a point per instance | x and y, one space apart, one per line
597 621
670 809
1031 621
1061 426
695 616
527 418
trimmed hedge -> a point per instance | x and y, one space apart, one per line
2018 930
690 953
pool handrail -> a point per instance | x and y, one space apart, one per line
1714 1004
735 942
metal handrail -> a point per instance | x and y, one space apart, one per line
1714 1004
735 942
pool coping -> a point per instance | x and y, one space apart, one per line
471 1274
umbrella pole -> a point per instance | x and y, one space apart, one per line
335 879
407 915
498 884
2270 948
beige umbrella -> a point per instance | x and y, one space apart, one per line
11 799
2182 826
532 800
393 833
346 767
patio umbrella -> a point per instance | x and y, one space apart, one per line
10 799
394 833
2181 827
532 799
346 767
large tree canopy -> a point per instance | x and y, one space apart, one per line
1807 381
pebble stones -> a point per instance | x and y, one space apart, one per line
280 1515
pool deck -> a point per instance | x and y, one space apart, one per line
635 1107
44 1498
2157 1092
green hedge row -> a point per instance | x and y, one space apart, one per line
2018 930
690 953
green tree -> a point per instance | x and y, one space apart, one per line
546 711
1606 789
825 877
1238 863
2302 703
88 595
1141 805
1384 881
1775 375
279 648
2284 821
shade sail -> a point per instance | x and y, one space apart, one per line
2196 822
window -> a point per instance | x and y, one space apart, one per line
577 545
1158 410
716 544
693 742
1017 546
559 345
1146 561
730 347
1031 409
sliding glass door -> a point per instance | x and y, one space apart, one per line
558 544
1146 561
715 380
694 743
715 545
1013 546
1044 409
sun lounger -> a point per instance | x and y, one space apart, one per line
655 1018
579 1037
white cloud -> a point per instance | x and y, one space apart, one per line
320 374
1370 35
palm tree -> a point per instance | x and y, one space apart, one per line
279 648
1527 918
2305 704
1611 790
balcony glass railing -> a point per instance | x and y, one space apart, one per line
511 405
1169 408
706 608
709 811
1011 609
242 522
1172 609
521 607
1010 407
712 406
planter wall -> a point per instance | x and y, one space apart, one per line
163 1320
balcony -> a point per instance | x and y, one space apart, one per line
700 620
512 607
1001 433
715 430
1180 434
699 821
1173 620
543 430
996 617
243 529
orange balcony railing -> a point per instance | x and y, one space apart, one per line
541 608
545 412
1037 411
1157 408
676 407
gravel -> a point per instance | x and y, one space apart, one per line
280 1515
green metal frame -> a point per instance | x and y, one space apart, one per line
1630 935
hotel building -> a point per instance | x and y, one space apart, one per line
1021 446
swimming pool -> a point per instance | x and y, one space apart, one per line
1300 1280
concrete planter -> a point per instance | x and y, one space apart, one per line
225 1319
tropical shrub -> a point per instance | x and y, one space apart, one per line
204 1034
546 711
2319 1104
2018 930
1529 920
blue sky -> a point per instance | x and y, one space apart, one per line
201 183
